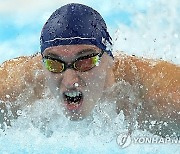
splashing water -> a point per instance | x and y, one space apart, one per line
154 30
42 128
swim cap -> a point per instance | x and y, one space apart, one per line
75 24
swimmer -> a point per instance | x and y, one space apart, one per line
77 65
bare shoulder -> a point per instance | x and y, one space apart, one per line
158 80
157 76
19 73
139 69
126 67
22 62
158 85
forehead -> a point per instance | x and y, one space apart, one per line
71 50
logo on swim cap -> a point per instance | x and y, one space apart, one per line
75 24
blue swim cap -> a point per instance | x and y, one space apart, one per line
75 24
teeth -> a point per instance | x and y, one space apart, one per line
73 93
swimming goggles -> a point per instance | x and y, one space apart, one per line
81 64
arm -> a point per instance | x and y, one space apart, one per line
158 83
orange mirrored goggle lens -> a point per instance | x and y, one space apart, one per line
86 64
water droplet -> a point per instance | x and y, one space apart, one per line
76 84
97 64
7 96
19 112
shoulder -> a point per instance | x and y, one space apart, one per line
22 61
124 65
122 59
17 74
20 67
130 67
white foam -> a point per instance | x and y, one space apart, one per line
43 128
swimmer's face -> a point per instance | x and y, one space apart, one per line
78 91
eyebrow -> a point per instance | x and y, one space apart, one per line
83 52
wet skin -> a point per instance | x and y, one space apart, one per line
91 83
157 84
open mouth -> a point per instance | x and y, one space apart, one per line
73 99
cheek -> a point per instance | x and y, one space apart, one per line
52 81
95 81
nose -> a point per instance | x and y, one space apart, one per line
70 77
